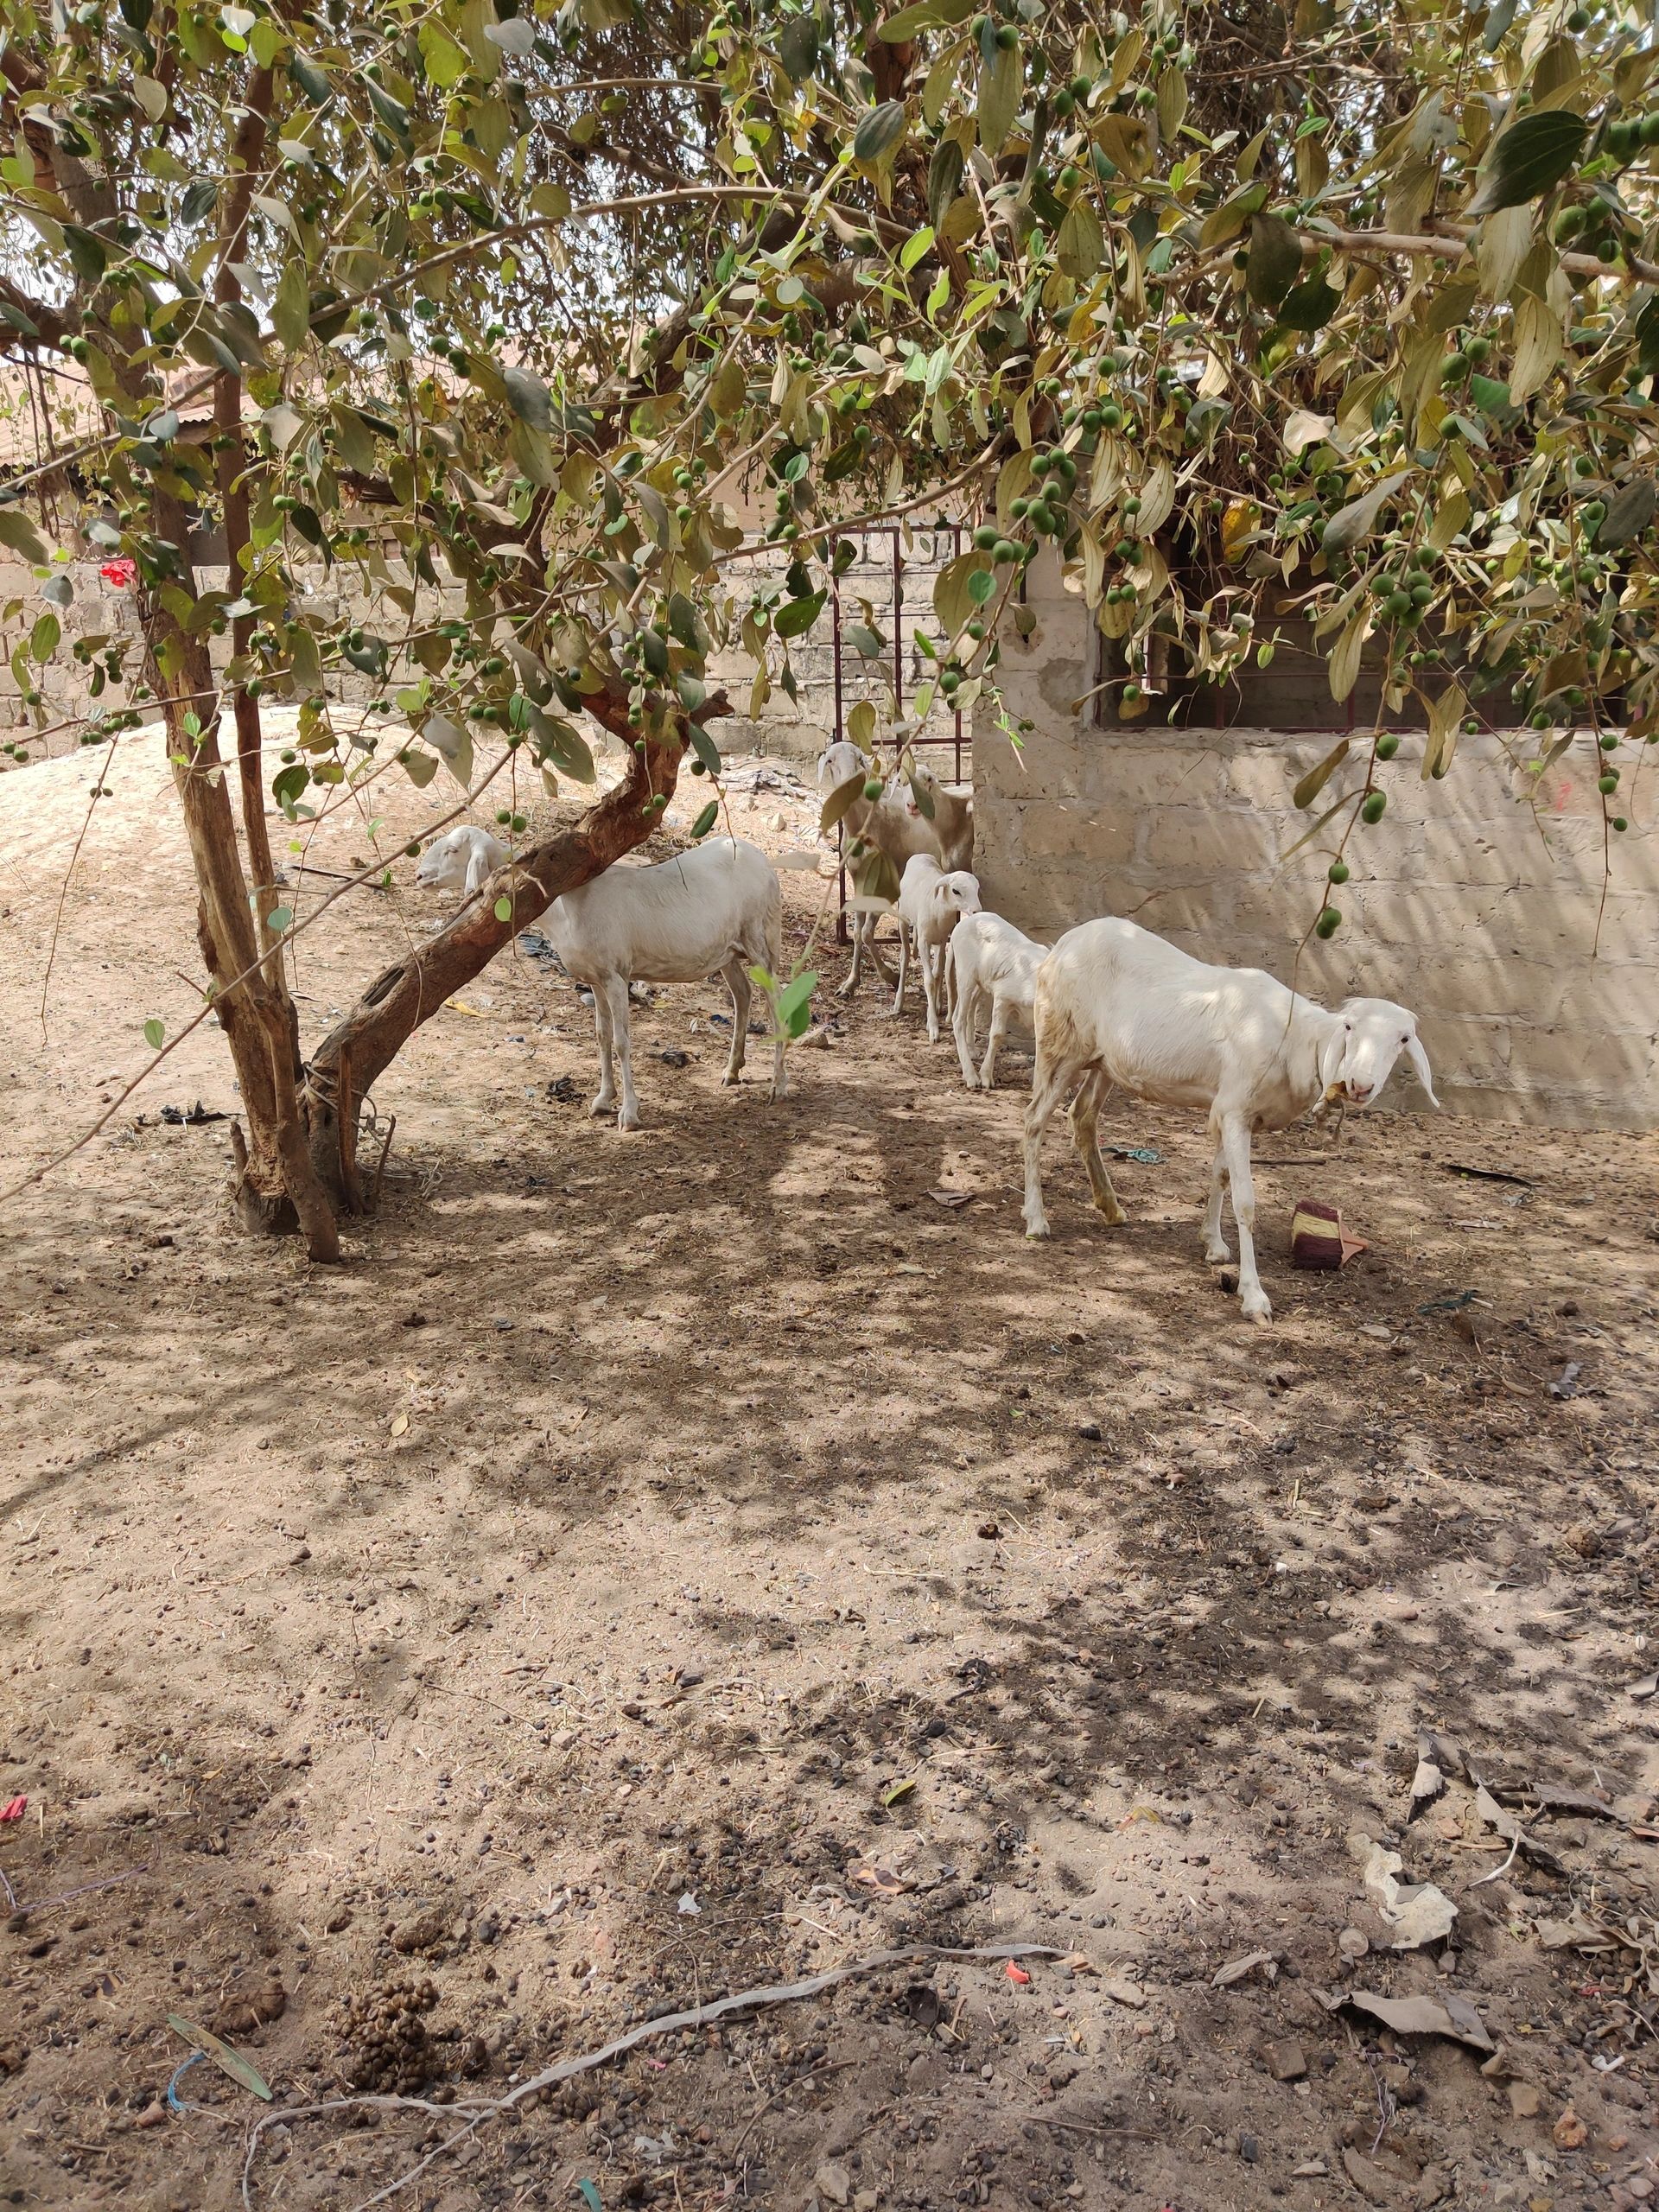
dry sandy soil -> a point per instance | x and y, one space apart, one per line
654 1567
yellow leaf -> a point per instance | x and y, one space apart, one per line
1345 661
1446 717
461 1006
1537 347
1237 527
400 1424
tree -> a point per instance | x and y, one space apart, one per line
491 306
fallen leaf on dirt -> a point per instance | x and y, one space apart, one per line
1566 1384
689 1906
228 2061
1016 1972
1569 2130
461 1006
1310 2169
1438 1758
900 1789
1236 1969
591 2197
951 1197
14 1808
1423 2016
1514 1834
1080 1964
871 1874
1648 1686
1126 1993
1416 1911
400 1424
1552 1800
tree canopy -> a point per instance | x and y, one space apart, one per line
1350 303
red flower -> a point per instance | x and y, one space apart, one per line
120 572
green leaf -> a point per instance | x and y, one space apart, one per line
17 532
797 47
706 821
290 309
879 132
914 247
43 637
925 16
154 1030
980 586
1081 246
591 2197
705 747
900 1789
1001 82
796 616
1523 162
842 797
445 62
278 920
1354 522
793 1004
1316 778
1628 513
88 254
1275 262
943 176
504 908
228 2061
1310 306
420 767
529 397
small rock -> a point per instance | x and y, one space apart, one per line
1431 2187
1089 1430
1570 2131
1310 2169
299 1558
867 2200
1286 2062
1373 2184
1352 1945
1126 1993
833 2182
1525 2099
152 2116
1064 2072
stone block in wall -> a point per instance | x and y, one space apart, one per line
1187 840
1054 830
1135 773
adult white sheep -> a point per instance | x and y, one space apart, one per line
896 825
1117 1006
715 909
988 963
931 901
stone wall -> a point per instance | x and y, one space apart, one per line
1478 900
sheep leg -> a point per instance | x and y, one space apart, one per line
616 991
737 982
999 1030
606 1101
861 925
1085 1120
903 967
1235 1141
962 1024
928 960
1053 1081
1216 1247
873 946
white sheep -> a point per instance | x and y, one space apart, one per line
715 908
1117 1006
896 825
989 963
931 901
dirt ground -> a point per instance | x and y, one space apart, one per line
655 1567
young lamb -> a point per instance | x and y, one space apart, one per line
931 901
895 825
989 962
717 907
1117 1006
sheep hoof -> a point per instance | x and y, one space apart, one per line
731 1077
1113 1216
602 1107
628 1123
1037 1231
1258 1309
1218 1254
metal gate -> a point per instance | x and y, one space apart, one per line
888 560
882 552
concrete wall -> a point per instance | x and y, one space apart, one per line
1478 900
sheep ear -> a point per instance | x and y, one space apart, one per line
478 871
1419 1059
1331 1058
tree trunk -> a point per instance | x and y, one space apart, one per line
359 1049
